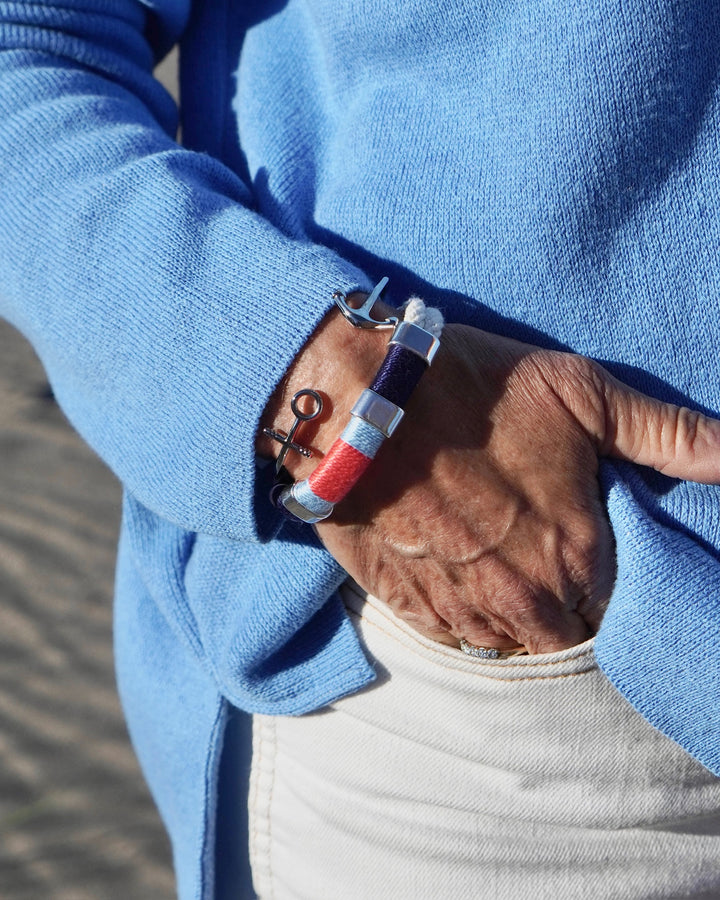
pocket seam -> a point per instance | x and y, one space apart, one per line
581 658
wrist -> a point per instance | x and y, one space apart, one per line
374 415
338 362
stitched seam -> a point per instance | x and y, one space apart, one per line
263 770
255 781
461 666
210 827
441 649
270 806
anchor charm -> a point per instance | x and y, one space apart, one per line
361 316
287 440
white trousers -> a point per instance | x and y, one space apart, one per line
451 776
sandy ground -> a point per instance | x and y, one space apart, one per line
76 820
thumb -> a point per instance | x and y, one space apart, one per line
675 440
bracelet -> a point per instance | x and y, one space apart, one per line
374 417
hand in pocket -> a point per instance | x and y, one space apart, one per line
482 517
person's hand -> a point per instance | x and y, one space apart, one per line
481 517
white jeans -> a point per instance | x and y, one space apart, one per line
453 776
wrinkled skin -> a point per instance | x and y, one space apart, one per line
482 518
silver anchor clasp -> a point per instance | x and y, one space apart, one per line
286 440
362 316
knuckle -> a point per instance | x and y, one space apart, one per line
588 536
686 426
467 620
414 610
402 603
581 385
581 371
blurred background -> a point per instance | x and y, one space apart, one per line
76 819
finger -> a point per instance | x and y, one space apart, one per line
626 424
675 440
588 558
542 625
476 630
536 632
517 613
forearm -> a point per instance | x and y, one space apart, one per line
164 308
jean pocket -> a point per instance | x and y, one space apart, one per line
543 738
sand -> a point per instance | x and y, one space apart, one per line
76 819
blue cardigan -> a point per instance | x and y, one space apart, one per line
545 170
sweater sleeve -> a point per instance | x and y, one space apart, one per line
163 307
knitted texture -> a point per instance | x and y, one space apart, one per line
542 169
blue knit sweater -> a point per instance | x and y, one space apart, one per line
545 170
